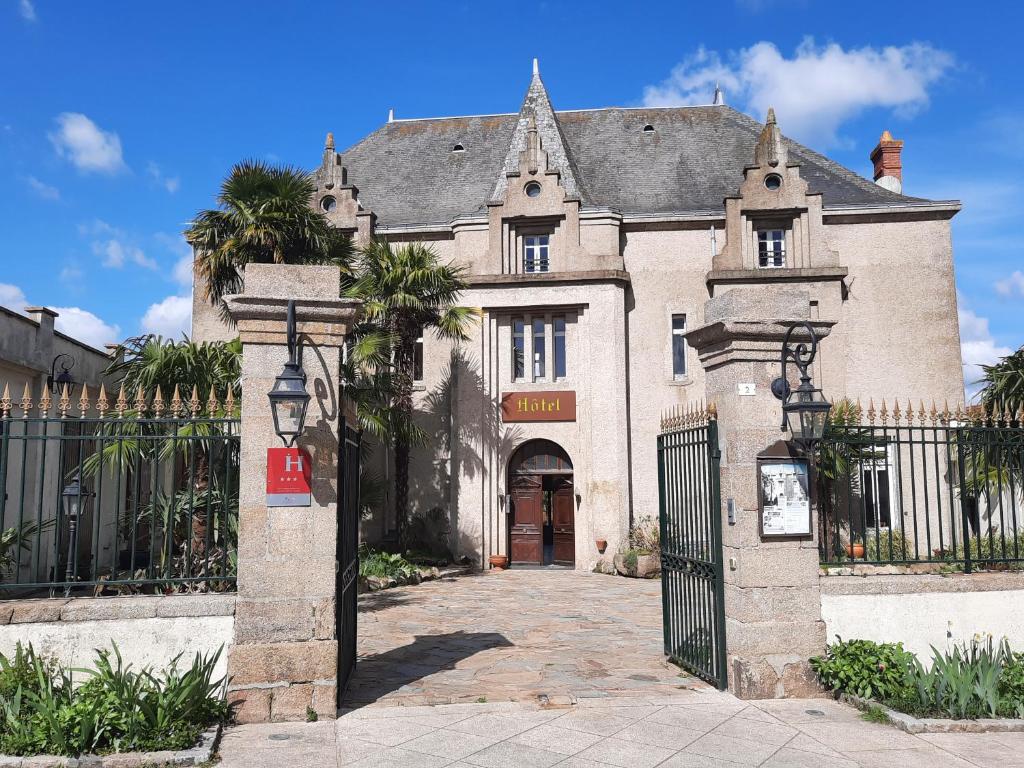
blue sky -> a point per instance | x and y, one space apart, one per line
119 119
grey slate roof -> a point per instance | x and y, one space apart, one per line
407 173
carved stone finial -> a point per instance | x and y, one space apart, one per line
391 115
770 150
329 144
536 67
719 98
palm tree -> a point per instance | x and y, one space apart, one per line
1003 384
405 291
263 216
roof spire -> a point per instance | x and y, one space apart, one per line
391 115
719 97
536 67
770 149
329 144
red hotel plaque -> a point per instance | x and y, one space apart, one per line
539 406
288 475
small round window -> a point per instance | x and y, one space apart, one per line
532 189
773 181
328 203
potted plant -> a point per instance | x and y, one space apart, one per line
641 558
498 562
855 549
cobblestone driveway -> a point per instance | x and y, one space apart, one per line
516 635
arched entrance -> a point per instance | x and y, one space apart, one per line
542 515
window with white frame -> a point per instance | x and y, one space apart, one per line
541 340
558 328
771 248
678 347
417 356
535 253
518 349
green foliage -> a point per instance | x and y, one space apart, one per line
874 714
14 539
429 534
263 216
1003 384
631 559
887 545
981 679
645 536
384 565
863 668
117 709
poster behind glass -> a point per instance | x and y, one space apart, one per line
785 498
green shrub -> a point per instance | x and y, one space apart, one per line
863 668
117 709
383 565
890 546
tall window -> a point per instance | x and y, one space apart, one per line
771 248
535 253
678 346
558 326
417 356
538 348
518 349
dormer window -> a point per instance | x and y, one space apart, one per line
771 248
648 128
458 148
535 253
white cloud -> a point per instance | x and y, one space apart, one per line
86 145
169 318
73 321
1012 285
815 90
183 271
43 190
27 10
170 183
71 274
86 327
12 297
115 254
977 347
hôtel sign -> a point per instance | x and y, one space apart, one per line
539 406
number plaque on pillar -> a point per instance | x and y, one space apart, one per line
288 473
784 493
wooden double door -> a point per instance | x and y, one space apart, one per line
542 519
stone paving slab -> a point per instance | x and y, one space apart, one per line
698 729
514 635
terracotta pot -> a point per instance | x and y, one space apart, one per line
602 545
498 562
855 550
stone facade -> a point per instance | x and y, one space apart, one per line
648 213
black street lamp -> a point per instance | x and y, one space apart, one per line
72 498
57 381
288 397
805 411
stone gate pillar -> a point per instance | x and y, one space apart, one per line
772 602
285 652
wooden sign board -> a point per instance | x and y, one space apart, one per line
539 406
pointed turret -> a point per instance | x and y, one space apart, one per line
329 145
537 119
770 150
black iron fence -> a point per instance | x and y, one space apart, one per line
138 496
912 487
692 582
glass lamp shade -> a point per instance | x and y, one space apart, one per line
807 415
72 496
288 401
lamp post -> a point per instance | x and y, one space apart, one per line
804 411
288 396
71 497
57 381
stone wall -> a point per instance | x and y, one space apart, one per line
922 611
148 630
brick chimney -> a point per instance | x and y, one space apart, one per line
888 166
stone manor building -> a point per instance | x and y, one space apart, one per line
592 240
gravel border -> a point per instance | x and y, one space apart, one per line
912 724
200 754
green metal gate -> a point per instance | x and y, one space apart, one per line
693 608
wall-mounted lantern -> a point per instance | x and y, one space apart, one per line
804 411
57 381
288 397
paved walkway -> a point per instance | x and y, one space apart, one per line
515 635
691 729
